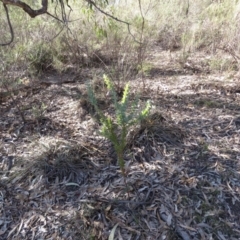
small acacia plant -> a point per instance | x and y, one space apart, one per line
126 115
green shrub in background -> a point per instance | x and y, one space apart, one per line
41 57
126 115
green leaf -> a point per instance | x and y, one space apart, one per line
108 82
125 94
146 110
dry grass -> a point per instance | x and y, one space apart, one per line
92 39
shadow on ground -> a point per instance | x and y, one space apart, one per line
182 168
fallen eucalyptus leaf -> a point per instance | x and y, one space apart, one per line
111 236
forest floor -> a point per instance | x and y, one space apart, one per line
60 178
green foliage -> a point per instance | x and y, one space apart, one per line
39 111
126 115
145 68
101 33
41 57
217 63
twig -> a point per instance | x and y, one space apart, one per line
10 27
114 18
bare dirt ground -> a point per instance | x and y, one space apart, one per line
60 179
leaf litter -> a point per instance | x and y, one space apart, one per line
182 165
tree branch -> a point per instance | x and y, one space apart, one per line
10 27
31 12
114 18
